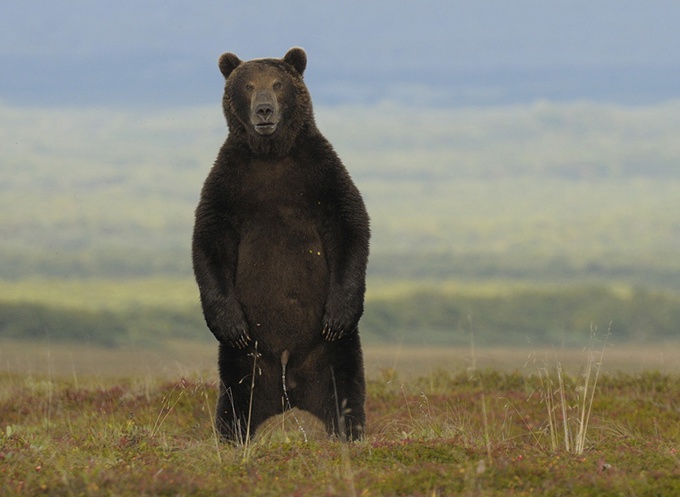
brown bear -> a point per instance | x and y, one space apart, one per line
280 248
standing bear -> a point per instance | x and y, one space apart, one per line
280 247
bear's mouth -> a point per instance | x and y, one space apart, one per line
265 129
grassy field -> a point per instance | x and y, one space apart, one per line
123 422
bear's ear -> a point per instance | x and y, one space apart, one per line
297 58
228 62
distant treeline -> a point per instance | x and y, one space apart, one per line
27 321
563 316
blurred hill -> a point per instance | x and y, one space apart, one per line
548 191
564 215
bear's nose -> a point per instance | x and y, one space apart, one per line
264 111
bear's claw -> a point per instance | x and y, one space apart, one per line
243 340
240 340
332 333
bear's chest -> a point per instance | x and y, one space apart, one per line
276 187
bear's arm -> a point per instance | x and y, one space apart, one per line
214 255
346 244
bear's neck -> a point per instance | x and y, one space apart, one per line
276 146
269 147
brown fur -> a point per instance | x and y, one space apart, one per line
280 249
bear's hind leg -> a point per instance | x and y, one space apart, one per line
231 417
336 393
250 393
239 415
348 419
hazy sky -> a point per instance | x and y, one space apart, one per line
164 53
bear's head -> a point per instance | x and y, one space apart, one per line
266 102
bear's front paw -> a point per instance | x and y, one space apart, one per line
333 331
235 337
227 323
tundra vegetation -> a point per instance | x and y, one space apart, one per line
538 431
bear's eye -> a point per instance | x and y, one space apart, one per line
249 87
277 85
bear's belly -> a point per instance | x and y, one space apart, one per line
282 284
